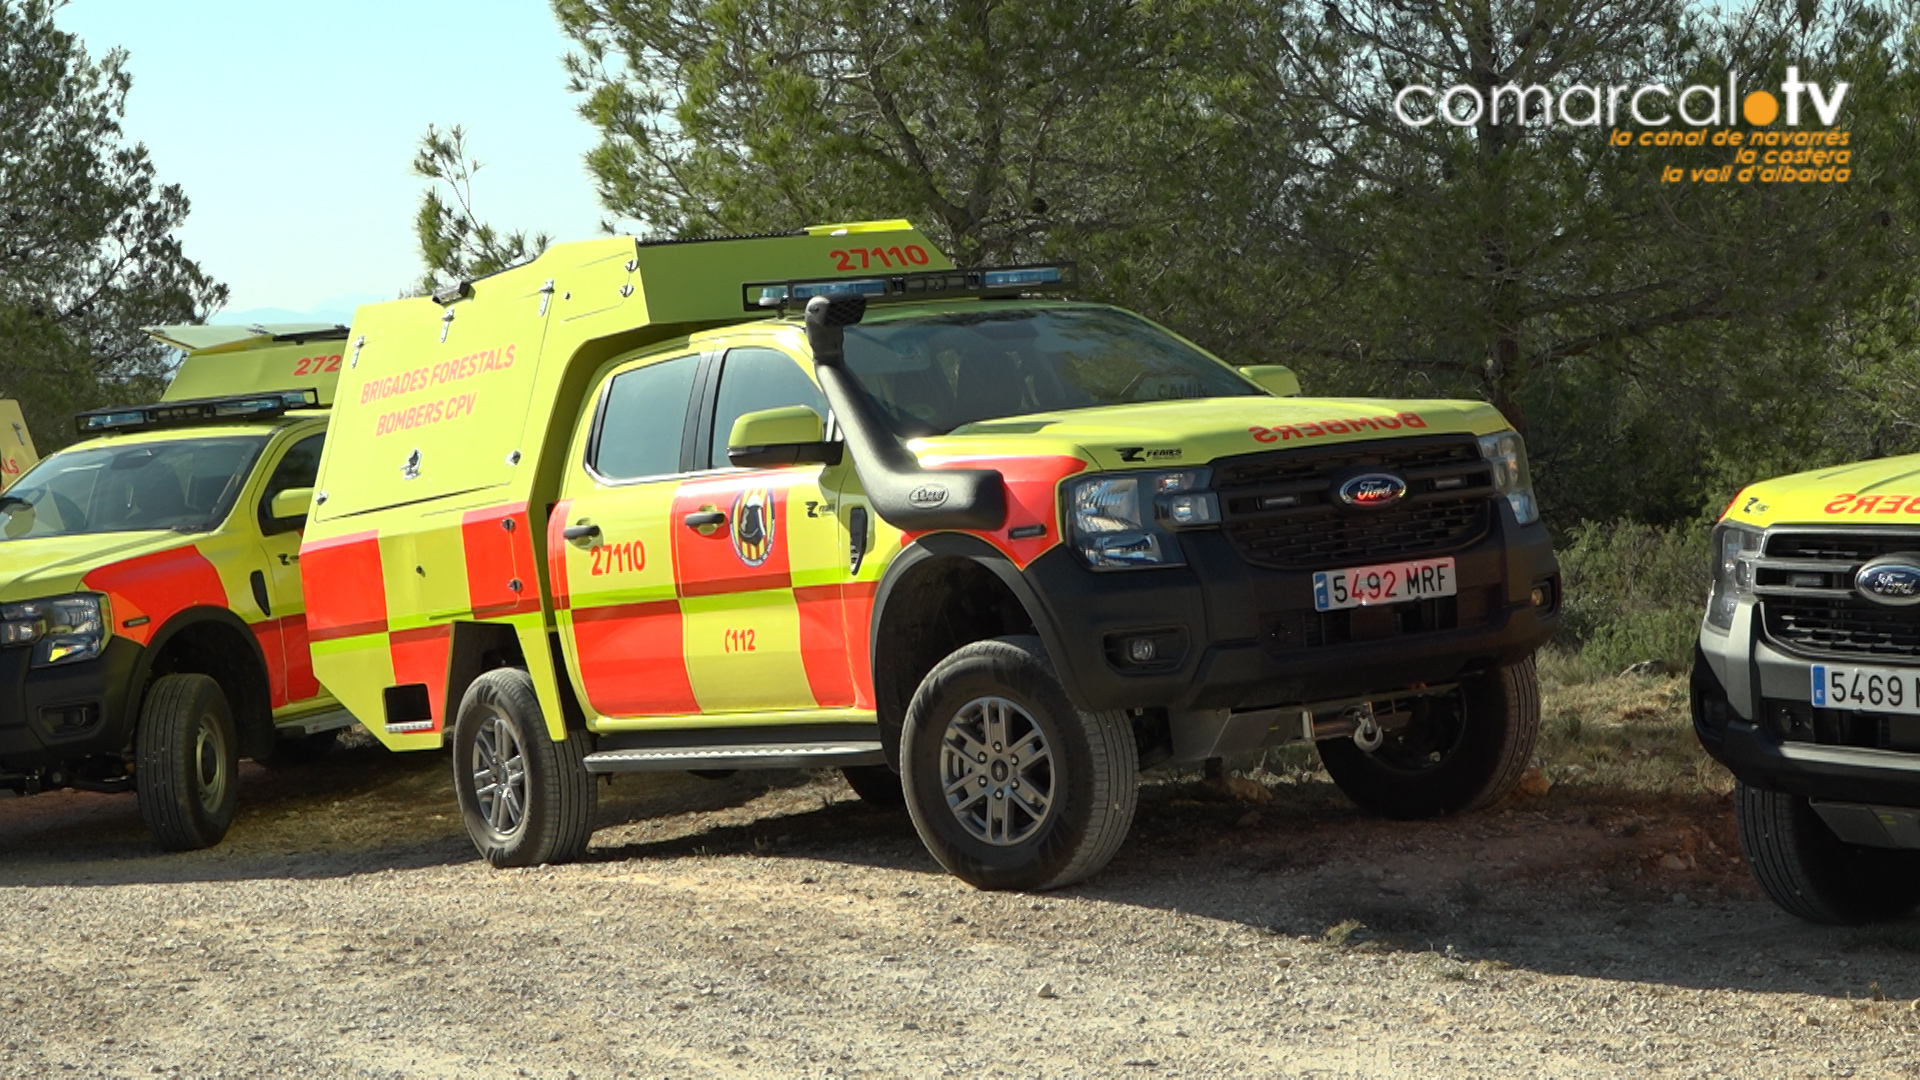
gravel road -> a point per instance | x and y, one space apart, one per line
776 926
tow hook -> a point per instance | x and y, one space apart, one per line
1366 730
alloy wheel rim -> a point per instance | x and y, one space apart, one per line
499 768
996 771
210 763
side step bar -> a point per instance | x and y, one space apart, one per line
824 755
314 725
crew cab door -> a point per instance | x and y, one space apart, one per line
762 556
610 542
275 582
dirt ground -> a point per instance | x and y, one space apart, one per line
773 925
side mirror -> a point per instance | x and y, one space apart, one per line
1274 379
793 435
289 508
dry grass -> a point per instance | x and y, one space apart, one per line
1626 734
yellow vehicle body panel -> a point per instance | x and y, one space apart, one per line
17 454
1885 491
222 361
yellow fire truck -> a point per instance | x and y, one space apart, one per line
822 499
151 627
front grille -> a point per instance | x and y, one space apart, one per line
1280 508
1804 581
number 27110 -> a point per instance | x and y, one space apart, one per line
911 255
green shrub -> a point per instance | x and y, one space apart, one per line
1633 592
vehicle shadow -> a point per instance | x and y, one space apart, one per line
362 809
1588 881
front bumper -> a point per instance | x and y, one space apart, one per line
53 715
1249 638
1752 712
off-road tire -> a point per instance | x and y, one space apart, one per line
877 786
293 751
555 793
1496 718
186 762
1093 770
1814 875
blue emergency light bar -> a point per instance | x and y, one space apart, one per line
926 285
166 414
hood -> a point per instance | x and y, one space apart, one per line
1885 491
1197 431
51 565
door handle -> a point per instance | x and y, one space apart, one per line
259 582
577 533
706 519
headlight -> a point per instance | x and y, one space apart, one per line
1507 453
1120 521
61 629
1735 547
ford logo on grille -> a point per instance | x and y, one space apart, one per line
1375 489
1893 580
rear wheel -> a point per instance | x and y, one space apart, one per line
187 760
1811 873
525 798
1459 752
1010 786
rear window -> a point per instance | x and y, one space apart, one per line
643 420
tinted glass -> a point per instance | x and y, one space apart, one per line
644 419
187 485
932 375
756 379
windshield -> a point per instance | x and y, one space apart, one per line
186 485
934 374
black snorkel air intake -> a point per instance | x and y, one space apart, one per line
905 495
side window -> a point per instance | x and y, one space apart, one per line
753 379
299 468
642 420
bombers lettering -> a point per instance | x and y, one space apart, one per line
432 412
1314 429
447 371
1874 504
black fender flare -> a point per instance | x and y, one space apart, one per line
252 737
953 545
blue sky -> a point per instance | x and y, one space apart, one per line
292 126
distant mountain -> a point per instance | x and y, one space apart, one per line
338 309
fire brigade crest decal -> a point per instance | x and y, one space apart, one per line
753 525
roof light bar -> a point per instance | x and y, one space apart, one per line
927 285
166 414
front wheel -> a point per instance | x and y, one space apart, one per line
525 798
187 760
1459 752
1010 786
1811 873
